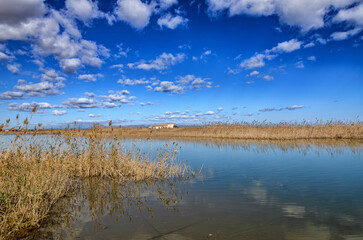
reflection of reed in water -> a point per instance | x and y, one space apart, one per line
96 198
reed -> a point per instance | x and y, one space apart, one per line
241 130
37 171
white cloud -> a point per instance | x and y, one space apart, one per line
353 15
51 75
254 73
259 59
133 82
162 62
90 94
142 104
287 46
80 103
273 109
205 54
13 68
28 107
306 14
10 95
59 112
54 34
220 109
166 86
85 10
90 77
256 61
4 57
339 36
95 115
294 107
250 82
37 89
193 82
299 64
134 12
172 22
312 58
268 78
17 11
209 113
309 45
118 66
119 96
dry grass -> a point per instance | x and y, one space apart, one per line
35 172
243 130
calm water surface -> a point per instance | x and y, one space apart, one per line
241 190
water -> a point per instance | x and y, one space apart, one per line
241 190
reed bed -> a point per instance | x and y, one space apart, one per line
242 130
37 171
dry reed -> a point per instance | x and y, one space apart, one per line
35 172
241 130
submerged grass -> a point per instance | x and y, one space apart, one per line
35 172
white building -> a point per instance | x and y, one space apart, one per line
160 126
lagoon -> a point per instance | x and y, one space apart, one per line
240 190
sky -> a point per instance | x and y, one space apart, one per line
143 62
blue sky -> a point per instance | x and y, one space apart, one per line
186 62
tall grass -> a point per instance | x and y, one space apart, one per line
35 172
243 130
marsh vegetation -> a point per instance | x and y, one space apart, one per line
36 172
239 130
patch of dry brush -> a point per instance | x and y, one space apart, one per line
35 172
245 130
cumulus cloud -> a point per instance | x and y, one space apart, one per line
118 66
254 73
79 103
17 11
13 68
134 12
37 89
50 33
119 97
28 107
95 115
162 62
166 86
287 46
90 77
10 95
133 82
268 78
306 14
312 58
59 112
354 17
86 10
172 22
183 83
256 61
142 104
51 75
193 82
259 59
137 13
339 36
